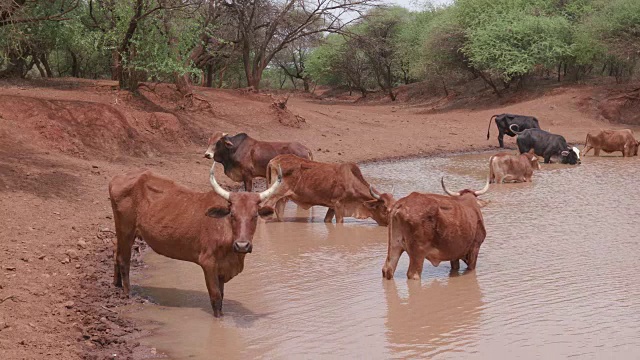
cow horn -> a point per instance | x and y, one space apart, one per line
267 193
484 189
450 193
375 196
216 187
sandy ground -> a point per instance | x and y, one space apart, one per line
61 142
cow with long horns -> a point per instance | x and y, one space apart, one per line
437 228
552 147
213 229
245 158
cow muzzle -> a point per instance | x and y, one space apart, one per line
208 155
242 247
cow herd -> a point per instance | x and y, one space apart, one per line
215 229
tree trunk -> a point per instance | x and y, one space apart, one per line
444 86
559 67
75 67
45 63
389 82
116 65
305 83
16 66
28 68
221 77
183 80
39 67
209 82
489 82
254 78
293 82
128 81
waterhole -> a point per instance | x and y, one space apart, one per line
556 277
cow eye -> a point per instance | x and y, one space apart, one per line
216 212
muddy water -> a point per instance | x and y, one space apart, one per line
557 277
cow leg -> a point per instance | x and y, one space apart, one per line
596 151
472 257
501 137
117 279
416 263
547 159
586 149
123 259
221 283
394 251
455 265
339 214
279 208
214 286
328 218
248 184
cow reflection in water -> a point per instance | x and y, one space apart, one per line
433 319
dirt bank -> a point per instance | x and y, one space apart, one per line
61 141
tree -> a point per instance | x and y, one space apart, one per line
265 27
378 39
293 59
24 29
14 12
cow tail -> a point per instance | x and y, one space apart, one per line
310 155
489 128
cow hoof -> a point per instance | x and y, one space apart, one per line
387 274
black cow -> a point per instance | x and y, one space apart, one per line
504 122
547 145
245 158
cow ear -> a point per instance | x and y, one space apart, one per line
372 204
228 143
564 153
265 211
218 212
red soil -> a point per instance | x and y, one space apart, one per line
62 140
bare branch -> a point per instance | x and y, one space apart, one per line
6 17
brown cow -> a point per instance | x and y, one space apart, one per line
436 227
245 158
508 167
213 229
610 141
340 187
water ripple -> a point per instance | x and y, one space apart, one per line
555 279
